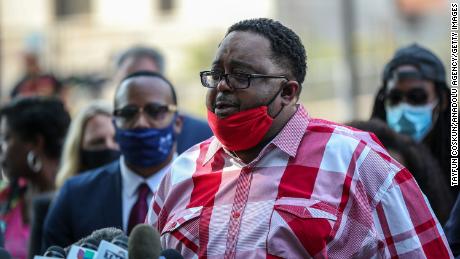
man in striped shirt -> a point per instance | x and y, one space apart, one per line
275 183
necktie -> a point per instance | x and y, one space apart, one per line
139 210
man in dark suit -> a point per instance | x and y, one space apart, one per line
117 194
141 58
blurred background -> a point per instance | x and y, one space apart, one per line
347 41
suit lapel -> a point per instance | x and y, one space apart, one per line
112 207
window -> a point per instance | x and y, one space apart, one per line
166 6
71 7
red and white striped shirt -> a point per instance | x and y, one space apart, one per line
318 189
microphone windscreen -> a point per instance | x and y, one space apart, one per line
170 254
4 254
121 241
91 243
144 242
106 234
55 251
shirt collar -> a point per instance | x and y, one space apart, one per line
131 180
288 139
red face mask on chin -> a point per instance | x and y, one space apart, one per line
242 130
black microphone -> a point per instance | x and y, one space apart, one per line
4 254
55 251
144 242
170 254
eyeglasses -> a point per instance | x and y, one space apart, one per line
415 96
155 111
211 79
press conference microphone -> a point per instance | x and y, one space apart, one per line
107 234
55 252
86 251
121 241
117 249
144 242
91 243
170 254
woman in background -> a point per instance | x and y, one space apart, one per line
90 142
32 132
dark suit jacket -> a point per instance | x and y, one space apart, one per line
85 203
193 132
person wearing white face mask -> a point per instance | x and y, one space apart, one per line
414 100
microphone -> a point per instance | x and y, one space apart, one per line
91 243
117 249
86 251
144 242
170 254
53 252
121 241
97 236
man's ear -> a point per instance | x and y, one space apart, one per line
178 123
290 92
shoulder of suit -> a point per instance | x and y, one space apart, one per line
95 176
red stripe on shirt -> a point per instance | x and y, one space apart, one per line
347 185
205 187
412 195
349 177
386 230
187 242
297 181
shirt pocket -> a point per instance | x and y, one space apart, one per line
300 228
181 231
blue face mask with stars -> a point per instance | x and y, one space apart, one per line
146 147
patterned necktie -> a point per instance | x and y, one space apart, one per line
139 210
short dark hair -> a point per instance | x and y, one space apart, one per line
142 52
150 74
36 116
286 45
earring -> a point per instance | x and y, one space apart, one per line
34 162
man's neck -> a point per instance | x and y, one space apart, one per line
146 172
250 154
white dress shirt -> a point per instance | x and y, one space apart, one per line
130 183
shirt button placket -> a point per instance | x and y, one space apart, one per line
239 203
